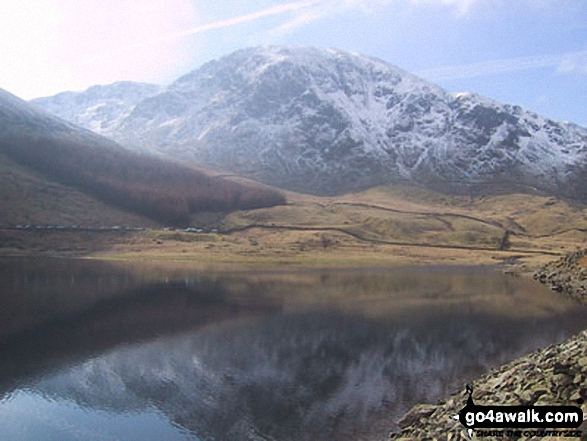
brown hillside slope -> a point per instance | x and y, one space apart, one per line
165 191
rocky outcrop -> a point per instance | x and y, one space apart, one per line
556 375
567 275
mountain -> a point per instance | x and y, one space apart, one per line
80 159
99 107
327 122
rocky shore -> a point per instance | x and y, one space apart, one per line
567 275
556 375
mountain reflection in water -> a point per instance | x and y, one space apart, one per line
284 356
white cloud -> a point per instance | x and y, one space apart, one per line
317 11
563 63
297 22
574 63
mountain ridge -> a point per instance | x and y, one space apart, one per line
325 121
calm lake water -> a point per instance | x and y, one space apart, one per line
103 351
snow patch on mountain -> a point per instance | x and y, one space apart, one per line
326 121
98 108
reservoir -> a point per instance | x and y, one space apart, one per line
94 350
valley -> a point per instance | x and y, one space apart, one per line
390 225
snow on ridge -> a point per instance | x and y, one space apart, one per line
324 118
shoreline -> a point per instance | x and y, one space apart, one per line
555 375
262 250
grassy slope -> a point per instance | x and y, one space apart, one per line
378 227
148 186
26 197
382 226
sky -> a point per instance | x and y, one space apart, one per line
531 53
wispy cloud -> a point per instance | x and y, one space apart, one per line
275 10
220 24
574 63
328 8
462 6
304 13
317 11
564 63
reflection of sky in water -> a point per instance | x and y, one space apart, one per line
296 376
28 415
312 356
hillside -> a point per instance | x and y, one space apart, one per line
383 226
29 198
164 191
328 122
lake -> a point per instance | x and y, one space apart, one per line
93 350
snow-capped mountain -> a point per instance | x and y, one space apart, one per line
21 120
99 107
325 121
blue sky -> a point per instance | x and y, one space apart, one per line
531 53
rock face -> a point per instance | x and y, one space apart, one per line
327 122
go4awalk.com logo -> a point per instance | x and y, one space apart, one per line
518 420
